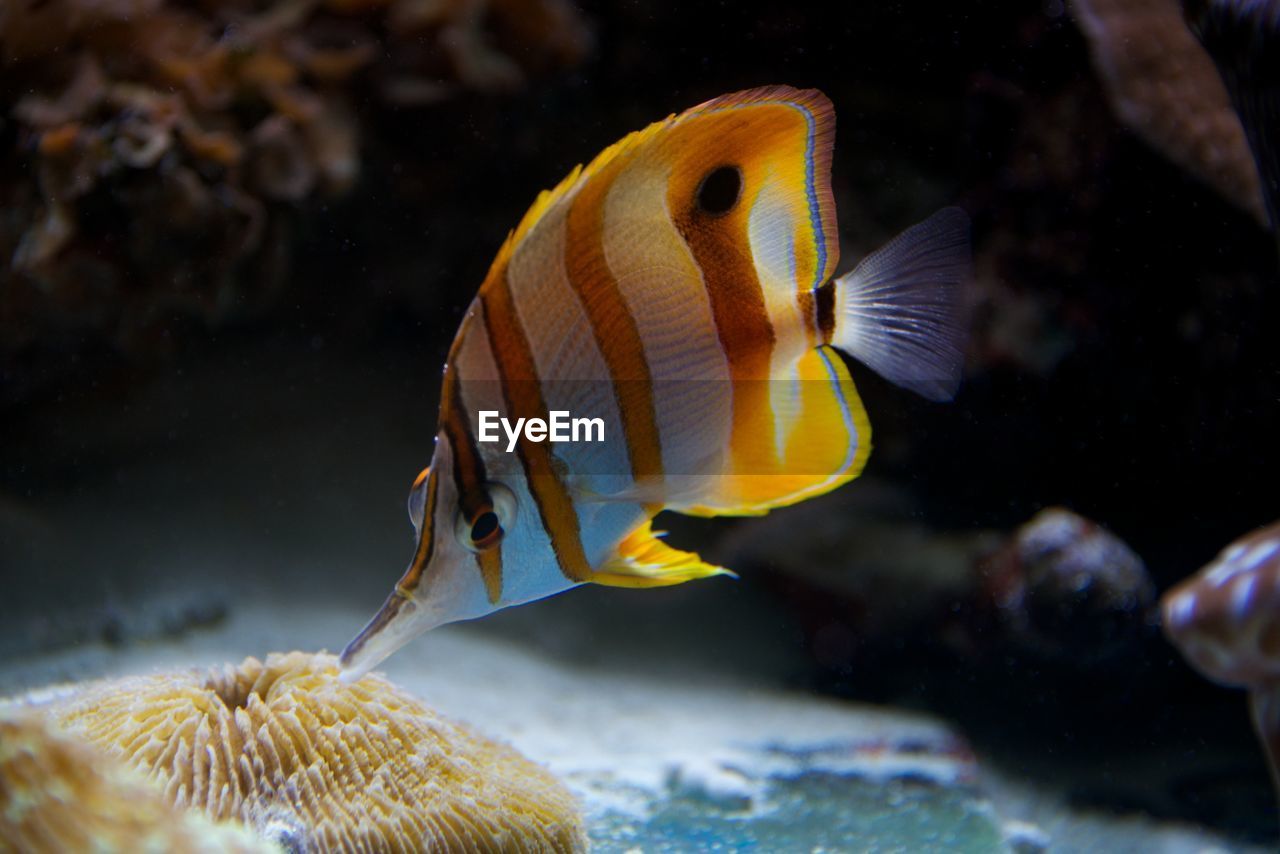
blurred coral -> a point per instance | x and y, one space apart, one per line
1060 589
1241 36
867 573
58 793
313 763
159 149
1047 186
1163 85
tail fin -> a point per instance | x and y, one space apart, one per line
901 311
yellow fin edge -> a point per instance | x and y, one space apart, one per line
642 559
860 427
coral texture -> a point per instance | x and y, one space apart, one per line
58 793
156 151
1164 86
311 762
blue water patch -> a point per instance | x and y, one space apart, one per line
811 812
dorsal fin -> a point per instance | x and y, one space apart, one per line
821 442
820 119
577 176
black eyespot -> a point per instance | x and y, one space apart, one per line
485 528
719 191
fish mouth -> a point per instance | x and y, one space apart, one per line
391 628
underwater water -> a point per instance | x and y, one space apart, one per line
239 242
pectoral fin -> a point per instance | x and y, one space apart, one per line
643 560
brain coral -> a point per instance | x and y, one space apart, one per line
314 763
58 793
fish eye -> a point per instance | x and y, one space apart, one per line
486 528
719 190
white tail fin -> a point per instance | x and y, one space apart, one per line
901 311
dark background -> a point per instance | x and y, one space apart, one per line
1124 364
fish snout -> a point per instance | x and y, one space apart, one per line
397 622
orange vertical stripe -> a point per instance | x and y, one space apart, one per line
469 476
426 540
490 562
721 247
523 394
614 327
806 304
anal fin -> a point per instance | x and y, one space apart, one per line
642 559
820 440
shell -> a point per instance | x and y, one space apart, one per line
1225 619
312 762
58 793
1068 589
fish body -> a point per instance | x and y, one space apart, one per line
679 289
